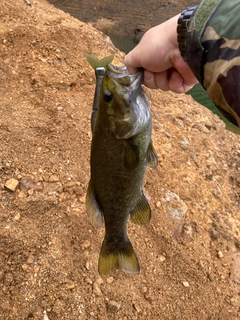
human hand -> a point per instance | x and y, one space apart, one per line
158 54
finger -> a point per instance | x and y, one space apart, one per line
132 62
176 82
156 80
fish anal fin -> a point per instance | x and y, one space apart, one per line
152 158
141 214
123 258
93 210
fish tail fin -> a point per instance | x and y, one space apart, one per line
123 258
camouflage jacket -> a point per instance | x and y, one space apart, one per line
213 53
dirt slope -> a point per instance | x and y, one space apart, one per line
190 252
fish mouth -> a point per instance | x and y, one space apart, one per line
120 75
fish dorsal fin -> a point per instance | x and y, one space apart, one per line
152 158
93 210
123 258
141 214
96 63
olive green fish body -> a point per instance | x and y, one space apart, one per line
120 151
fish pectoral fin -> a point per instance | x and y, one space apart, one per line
93 210
141 214
131 158
123 258
152 158
96 63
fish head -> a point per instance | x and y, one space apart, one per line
123 101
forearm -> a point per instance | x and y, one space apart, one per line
213 54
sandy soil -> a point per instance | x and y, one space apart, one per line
190 252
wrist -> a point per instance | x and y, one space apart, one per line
183 23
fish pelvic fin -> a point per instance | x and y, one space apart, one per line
96 63
152 158
93 210
123 258
141 214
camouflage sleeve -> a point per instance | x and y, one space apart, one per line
213 53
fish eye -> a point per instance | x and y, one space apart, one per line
107 96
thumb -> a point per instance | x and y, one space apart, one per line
132 62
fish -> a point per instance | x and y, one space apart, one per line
121 149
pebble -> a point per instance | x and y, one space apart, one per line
144 290
54 178
162 258
220 254
167 134
45 317
137 307
85 244
12 184
113 306
184 144
158 204
185 284
17 217
30 258
96 289
110 280
88 280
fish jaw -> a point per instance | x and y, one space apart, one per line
128 111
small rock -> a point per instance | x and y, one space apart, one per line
217 193
12 184
167 134
54 178
85 244
30 259
83 199
137 307
30 192
17 217
78 190
36 269
70 286
113 306
96 289
184 144
162 258
26 267
158 204
110 280
185 284
45 317
220 254
88 280
144 290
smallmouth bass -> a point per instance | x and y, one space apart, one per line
121 150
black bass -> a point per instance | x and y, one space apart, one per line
120 151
